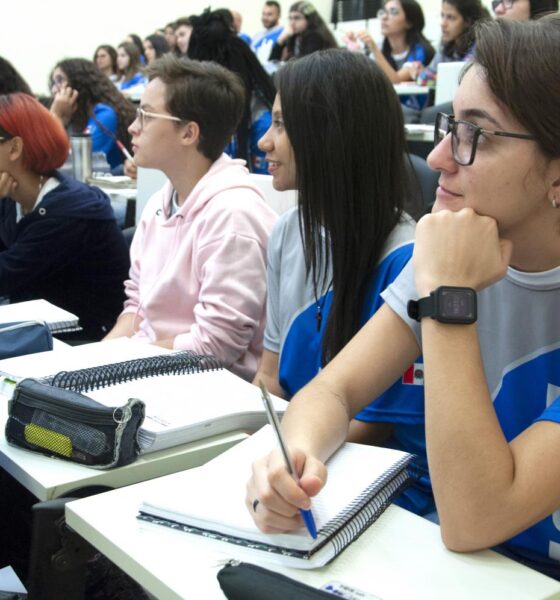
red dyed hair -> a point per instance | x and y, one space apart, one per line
45 143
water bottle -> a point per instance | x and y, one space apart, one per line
81 156
99 163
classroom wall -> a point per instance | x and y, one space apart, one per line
38 33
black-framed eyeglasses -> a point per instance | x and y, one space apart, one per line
507 4
465 136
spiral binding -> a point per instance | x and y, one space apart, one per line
64 326
93 378
345 528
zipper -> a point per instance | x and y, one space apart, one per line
62 408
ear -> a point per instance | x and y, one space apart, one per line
554 187
16 149
190 134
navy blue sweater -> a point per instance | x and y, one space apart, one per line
69 251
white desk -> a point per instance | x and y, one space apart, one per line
400 557
48 478
409 87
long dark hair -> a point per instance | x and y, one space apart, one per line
345 125
159 44
10 80
112 55
316 27
94 87
134 62
415 18
472 11
212 39
539 8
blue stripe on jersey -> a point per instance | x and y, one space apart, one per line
300 359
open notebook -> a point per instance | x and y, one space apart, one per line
57 319
209 501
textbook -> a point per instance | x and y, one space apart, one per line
210 501
57 319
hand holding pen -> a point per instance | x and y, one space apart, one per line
307 515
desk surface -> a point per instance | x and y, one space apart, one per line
400 556
409 87
49 478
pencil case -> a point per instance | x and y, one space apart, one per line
66 424
25 337
245 581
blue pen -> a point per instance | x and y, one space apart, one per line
307 515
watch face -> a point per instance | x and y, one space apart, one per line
457 304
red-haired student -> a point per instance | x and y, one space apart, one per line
58 238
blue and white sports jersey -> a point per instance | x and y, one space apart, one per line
292 328
519 332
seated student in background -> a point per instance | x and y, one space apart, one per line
458 19
492 388
198 274
105 59
263 41
59 239
306 33
183 30
169 32
85 100
402 23
523 10
330 258
213 39
10 80
155 46
237 24
130 76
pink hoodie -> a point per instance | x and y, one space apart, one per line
200 276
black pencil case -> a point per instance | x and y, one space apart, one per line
244 581
66 424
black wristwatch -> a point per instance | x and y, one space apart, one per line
447 305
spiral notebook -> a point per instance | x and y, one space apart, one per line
210 501
188 397
57 319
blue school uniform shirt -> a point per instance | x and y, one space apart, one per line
519 333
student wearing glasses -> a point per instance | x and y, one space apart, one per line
306 33
85 100
523 10
402 23
490 421
198 274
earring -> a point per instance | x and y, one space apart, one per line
555 203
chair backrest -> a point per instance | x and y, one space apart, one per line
447 80
424 182
278 201
428 115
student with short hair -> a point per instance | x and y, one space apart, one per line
263 41
489 424
198 274
58 237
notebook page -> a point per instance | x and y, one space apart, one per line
37 310
177 401
197 497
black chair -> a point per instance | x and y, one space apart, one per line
428 115
423 184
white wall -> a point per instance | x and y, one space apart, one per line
38 33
